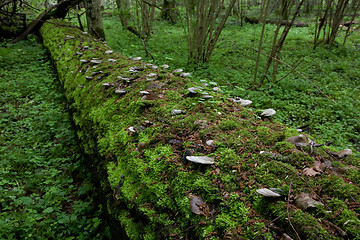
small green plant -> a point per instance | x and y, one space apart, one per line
39 154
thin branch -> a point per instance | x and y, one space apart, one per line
152 5
292 69
351 21
307 183
302 75
5 3
143 41
288 214
257 229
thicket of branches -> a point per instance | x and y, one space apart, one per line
203 21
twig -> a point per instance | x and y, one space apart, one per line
342 232
297 64
288 214
5 3
152 5
307 183
302 75
146 49
331 155
257 229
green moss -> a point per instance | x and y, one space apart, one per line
133 229
173 96
268 136
148 175
284 147
227 158
230 124
336 186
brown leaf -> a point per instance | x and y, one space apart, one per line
199 207
317 166
310 172
298 140
304 201
343 153
326 164
285 237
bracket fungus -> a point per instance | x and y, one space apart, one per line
201 159
268 112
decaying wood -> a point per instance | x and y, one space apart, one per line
55 11
254 20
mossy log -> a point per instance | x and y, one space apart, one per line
137 144
254 20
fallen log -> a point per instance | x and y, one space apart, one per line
178 160
254 20
56 11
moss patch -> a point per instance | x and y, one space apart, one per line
143 147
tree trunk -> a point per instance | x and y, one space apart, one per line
338 16
169 11
263 14
277 46
351 22
94 18
51 12
124 9
203 28
285 8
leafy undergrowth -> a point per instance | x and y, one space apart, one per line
45 192
143 144
297 101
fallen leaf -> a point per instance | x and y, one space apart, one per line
285 237
199 207
304 201
300 140
342 153
317 166
310 172
326 164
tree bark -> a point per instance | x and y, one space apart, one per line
124 10
94 18
278 46
338 16
46 15
169 11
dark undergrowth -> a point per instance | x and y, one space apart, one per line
45 191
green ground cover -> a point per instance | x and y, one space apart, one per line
297 102
45 191
154 191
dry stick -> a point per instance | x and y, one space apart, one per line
143 41
307 183
302 75
288 214
297 64
257 229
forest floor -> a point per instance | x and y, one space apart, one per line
45 191
323 100
263 182
38 153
